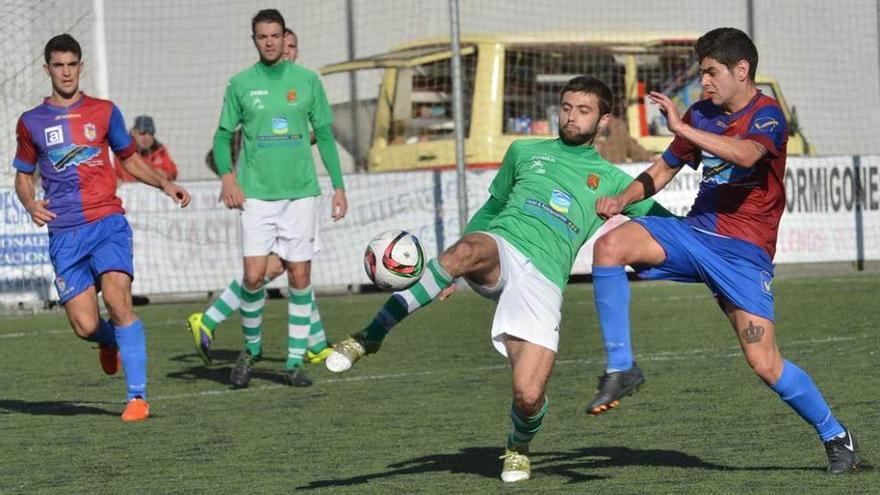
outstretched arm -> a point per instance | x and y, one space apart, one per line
653 179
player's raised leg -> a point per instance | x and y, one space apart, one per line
531 366
130 336
757 337
87 324
475 255
627 244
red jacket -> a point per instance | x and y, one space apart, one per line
158 158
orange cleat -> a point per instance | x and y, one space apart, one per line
136 410
109 357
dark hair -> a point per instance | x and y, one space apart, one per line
593 86
728 46
267 15
289 31
64 43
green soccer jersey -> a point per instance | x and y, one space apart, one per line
546 193
274 106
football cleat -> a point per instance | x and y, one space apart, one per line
137 409
320 356
347 352
109 357
296 377
203 337
614 386
516 466
240 376
841 453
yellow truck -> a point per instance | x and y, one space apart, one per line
511 87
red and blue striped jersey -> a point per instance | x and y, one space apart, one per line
71 146
733 201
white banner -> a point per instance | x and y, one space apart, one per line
197 248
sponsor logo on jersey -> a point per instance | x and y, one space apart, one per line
279 125
71 156
560 201
593 181
90 132
67 116
259 92
54 135
537 167
765 124
291 95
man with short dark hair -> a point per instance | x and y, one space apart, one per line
275 185
151 150
519 249
69 137
727 240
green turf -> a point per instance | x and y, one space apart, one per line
428 414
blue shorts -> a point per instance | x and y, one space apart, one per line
79 256
734 270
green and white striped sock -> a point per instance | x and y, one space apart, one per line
317 336
299 310
223 307
402 304
524 429
252 304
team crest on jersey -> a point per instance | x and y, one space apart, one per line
560 201
291 95
54 135
593 181
90 132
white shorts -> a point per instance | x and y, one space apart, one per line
528 304
287 227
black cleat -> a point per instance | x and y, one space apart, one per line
614 386
241 372
842 454
296 377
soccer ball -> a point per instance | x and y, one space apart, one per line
394 260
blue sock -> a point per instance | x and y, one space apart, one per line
105 335
611 293
133 350
798 391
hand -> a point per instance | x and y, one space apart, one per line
230 193
608 206
668 109
339 205
39 213
178 194
447 292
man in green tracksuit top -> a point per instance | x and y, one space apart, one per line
519 249
275 185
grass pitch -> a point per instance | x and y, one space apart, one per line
428 413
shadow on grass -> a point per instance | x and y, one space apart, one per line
572 464
52 408
223 361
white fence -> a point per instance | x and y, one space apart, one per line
832 214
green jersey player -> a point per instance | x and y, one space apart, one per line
275 185
519 249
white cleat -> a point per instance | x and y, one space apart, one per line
516 467
344 355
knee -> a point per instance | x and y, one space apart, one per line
299 277
252 281
459 258
767 369
529 400
608 250
84 326
274 271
